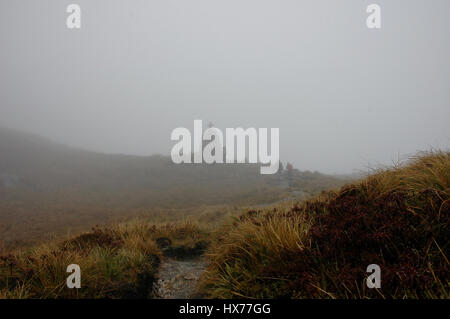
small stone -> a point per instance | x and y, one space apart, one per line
190 277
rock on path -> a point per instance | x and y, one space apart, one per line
178 279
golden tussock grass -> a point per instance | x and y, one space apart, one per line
397 217
115 262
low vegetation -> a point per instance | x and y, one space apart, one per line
118 262
319 247
397 218
47 188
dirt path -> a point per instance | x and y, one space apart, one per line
178 279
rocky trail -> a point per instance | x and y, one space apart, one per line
178 279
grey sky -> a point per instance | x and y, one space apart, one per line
343 96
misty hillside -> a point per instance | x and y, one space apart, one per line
46 187
34 163
396 218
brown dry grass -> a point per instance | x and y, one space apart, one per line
116 262
398 218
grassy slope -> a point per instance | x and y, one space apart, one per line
119 262
397 218
56 188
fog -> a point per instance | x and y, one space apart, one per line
343 96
